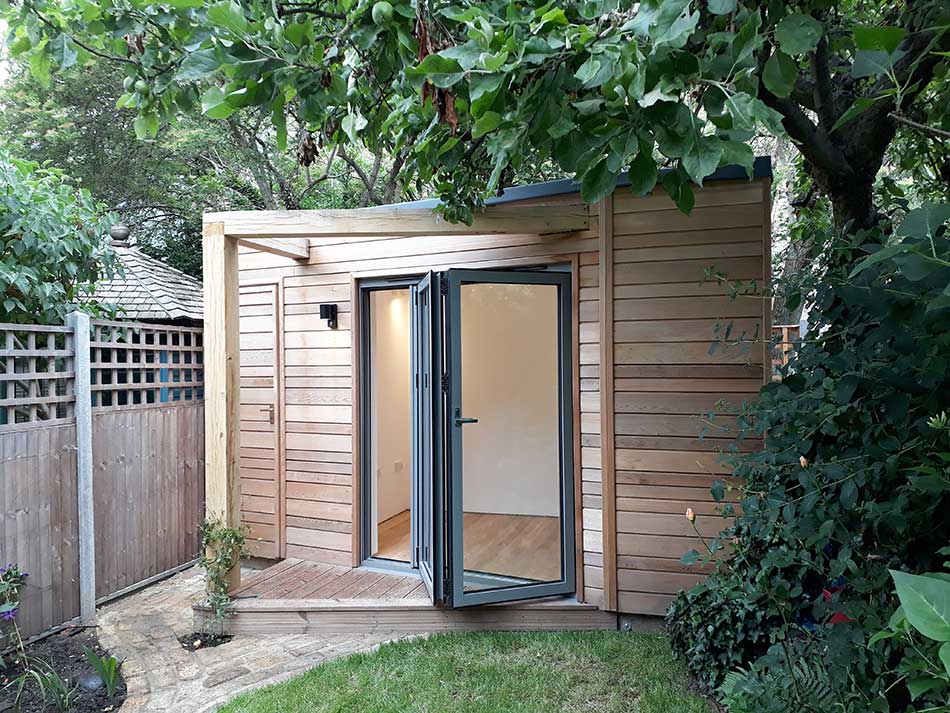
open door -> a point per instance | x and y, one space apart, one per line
508 425
427 496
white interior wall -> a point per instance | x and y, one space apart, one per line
511 457
391 398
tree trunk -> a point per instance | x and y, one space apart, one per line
853 205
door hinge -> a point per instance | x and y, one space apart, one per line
445 382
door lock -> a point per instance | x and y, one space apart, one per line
460 419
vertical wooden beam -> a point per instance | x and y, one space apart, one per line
607 447
280 421
221 369
766 282
356 356
79 323
576 394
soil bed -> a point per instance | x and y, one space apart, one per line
193 642
64 651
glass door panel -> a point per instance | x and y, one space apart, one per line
510 442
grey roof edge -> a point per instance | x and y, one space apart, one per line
761 168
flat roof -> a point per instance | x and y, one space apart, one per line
761 168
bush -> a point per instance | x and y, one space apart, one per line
853 481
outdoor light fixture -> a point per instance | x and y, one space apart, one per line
328 312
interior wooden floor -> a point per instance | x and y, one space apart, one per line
299 597
523 546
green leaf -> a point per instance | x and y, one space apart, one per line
198 65
562 127
642 173
229 15
871 63
924 221
352 125
39 67
736 153
885 253
690 557
926 603
441 71
63 52
860 105
945 656
780 74
702 157
798 33
482 91
679 190
214 104
489 121
721 7
885 39
598 182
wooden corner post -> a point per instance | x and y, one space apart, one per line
221 376
607 445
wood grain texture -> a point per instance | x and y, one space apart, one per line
394 221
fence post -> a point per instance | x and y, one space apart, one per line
79 323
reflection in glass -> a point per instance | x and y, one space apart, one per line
511 497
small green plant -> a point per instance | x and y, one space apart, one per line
12 580
108 669
61 692
222 548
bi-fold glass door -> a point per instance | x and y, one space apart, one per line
489 381
509 453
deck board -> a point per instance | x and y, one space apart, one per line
300 597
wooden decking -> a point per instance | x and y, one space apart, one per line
299 597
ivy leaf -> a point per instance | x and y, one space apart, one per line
598 182
798 33
926 603
780 74
885 39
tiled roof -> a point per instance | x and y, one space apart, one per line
150 290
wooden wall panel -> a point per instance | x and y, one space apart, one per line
260 442
665 308
668 309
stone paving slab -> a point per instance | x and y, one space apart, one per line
142 631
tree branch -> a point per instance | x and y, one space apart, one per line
923 128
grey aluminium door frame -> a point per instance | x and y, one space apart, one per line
453 428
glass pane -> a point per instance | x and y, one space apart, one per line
390 424
511 479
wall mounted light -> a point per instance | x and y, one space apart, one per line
328 312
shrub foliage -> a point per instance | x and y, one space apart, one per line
853 481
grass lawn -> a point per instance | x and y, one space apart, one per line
492 673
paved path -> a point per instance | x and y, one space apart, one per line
141 630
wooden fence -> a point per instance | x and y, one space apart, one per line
784 337
101 460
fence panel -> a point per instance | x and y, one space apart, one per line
148 484
148 459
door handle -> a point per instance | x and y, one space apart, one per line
269 410
460 419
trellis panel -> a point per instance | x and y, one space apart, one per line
36 374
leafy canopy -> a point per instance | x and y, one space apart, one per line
472 90
53 244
